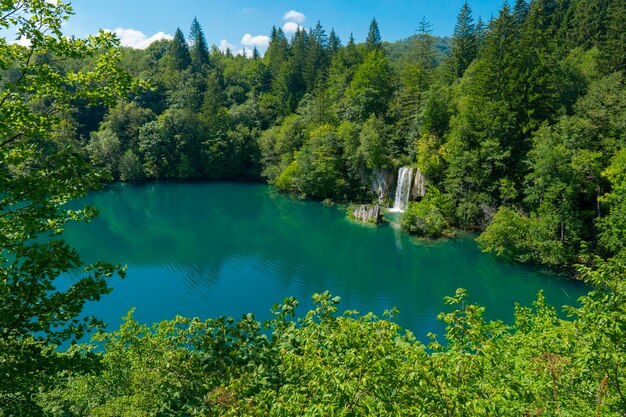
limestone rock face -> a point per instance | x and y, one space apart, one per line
418 190
382 182
368 214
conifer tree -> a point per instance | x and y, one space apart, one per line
373 40
298 62
317 57
588 23
614 47
199 50
464 46
278 50
179 55
334 43
425 58
520 11
416 78
480 31
351 55
497 52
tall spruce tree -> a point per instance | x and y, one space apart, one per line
520 11
278 50
614 46
199 50
373 40
425 58
334 43
464 44
416 78
480 31
316 56
588 22
298 62
179 55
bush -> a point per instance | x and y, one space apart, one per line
424 219
130 167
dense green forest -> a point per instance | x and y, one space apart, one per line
517 123
520 132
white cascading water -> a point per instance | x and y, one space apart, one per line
403 190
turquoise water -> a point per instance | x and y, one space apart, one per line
211 249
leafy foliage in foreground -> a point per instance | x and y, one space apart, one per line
42 167
329 364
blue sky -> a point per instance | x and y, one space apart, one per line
239 24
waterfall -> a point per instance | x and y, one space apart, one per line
403 189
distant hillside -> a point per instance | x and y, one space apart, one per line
396 51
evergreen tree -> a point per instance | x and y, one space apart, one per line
588 22
373 40
520 11
416 78
179 55
614 47
255 53
424 59
352 56
480 31
298 62
199 50
497 53
334 43
464 46
316 56
278 50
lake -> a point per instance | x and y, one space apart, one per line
212 249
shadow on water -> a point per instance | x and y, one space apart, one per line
210 249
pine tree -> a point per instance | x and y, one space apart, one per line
535 78
425 58
317 58
588 23
464 45
334 43
298 62
416 78
351 54
179 55
373 41
520 11
498 53
255 53
278 50
480 31
614 47
199 50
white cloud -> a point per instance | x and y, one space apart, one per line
291 27
224 44
137 39
294 16
258 41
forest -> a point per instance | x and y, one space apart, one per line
518 124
